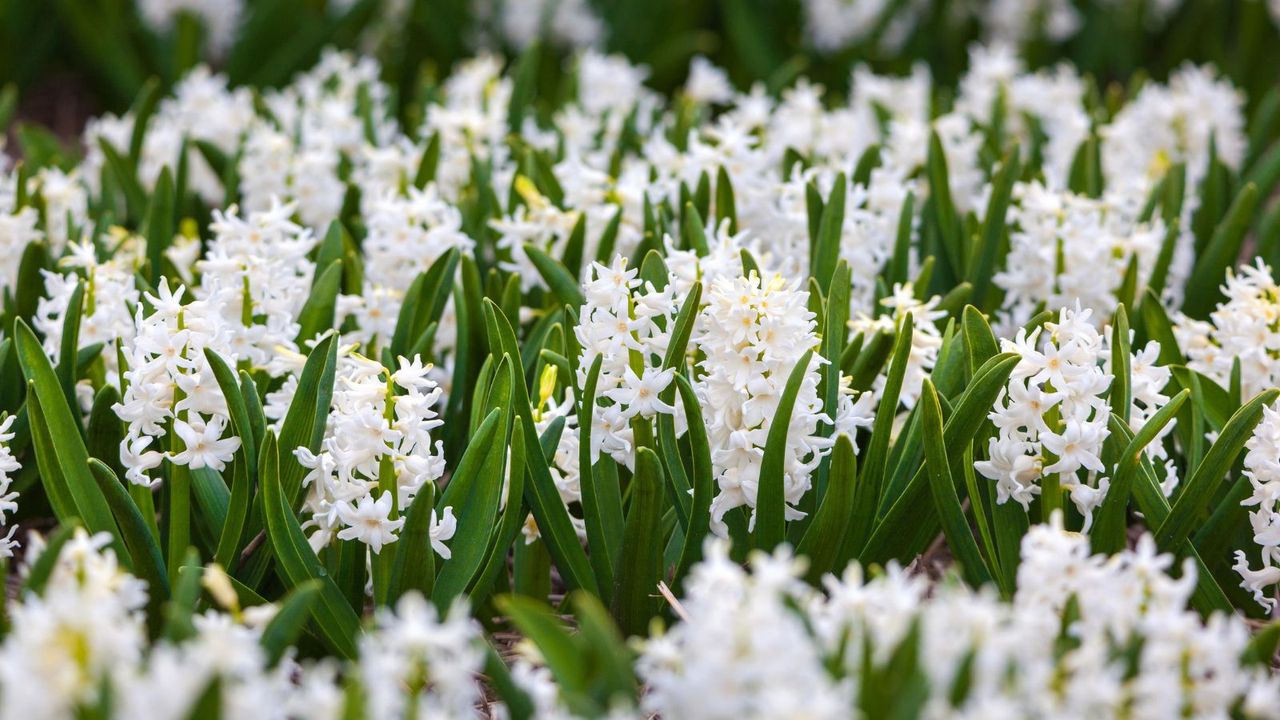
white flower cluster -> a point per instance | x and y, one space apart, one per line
67 641
1166 124
255 277
832 26
170 387
258 268
376 455
751 334
1245 327
1066 248
202 108
326 117
1084 636
110 296
417 662
629 330
1262 467
1048 100
8 497
1053 416
219 18
80 645
406 233
569 23
18 229
926 341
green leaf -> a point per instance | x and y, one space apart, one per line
1121 399
424 302
135 198
181 607
825 535
910 520
1195 495
1160 329
64 461
1222 252
160 225
900 263
771 501
337 621
695 234
557 277
286 626
146 560
414 565
427 165
67 364
30 286
525 86
1261 650
304 423
871 489
948 220
593 513
943 489
993 228
1108 534
633 598
513 516
246 466
548 509
474 492
317 314
724 201
979 341
615 681
826 252
703 482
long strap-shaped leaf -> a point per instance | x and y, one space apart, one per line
1108 534
298 563
592 511
993 225
64 463
286 626
826 252
318 312
633 597
910 520
873 468
945 499
557 276
548 509
1204 482
414 564
823 538
771 502
703 484
1208 596
424 302
304 423
148 563
474 492
513 516
246 466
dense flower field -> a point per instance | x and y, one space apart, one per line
541 392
